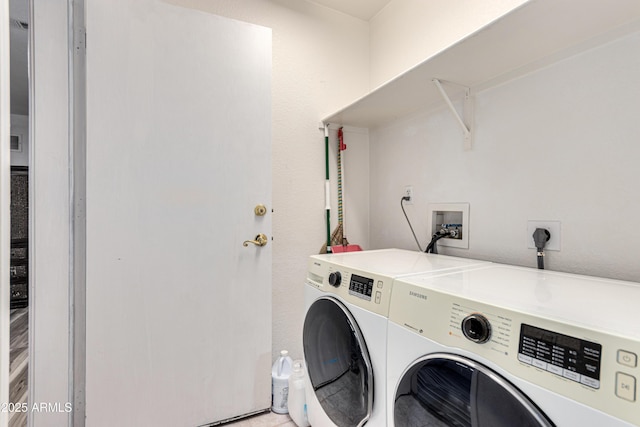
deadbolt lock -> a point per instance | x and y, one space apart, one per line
260 210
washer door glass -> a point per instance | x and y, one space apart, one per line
447 390
338 363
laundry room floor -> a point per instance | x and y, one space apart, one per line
18 366
267 420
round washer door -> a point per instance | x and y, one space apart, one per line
338 363
448 390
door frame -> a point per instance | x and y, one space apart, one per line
55 311
77 193
68 17
5 201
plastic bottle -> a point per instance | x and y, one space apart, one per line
280 373
297 401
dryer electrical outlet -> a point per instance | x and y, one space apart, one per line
454 216
554 229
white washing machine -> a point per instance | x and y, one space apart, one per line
508 346
345 330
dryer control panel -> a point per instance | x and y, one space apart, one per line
364 289
570 357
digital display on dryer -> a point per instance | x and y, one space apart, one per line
563 355
361 287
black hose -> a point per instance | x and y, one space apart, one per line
432 247
409 222
540 259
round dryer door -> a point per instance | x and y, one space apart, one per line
338 363
444 390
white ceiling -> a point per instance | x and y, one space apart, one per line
363 9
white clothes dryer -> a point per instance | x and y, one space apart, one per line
507 346
347 299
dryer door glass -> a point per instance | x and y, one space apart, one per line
338 364
451 391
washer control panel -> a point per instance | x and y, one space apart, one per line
361 287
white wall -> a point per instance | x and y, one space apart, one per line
406 32
20 127
320 63
557 144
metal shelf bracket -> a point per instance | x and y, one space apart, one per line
466 125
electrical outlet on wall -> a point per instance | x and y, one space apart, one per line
554 229
408 192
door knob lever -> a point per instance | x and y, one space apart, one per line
260 240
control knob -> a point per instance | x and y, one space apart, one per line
476 328
335 278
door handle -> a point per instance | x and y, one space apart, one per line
260 240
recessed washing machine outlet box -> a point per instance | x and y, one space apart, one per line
454 216
553 244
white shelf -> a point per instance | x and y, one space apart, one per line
535 32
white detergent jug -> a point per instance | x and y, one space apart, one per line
297 401
280 373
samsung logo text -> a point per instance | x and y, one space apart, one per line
417 295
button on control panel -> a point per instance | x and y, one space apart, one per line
625 386
627 358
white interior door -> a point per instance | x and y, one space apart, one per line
178 156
